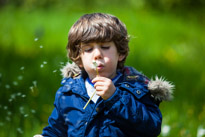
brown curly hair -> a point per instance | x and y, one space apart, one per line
97 27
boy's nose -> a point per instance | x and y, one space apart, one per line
97 53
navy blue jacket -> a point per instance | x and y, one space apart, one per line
130 112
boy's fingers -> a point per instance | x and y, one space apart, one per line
99 84
97 79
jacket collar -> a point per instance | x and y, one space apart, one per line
159 88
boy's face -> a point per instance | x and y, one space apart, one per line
104 54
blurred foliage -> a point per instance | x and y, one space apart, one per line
167 39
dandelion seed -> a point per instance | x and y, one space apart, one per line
67 119
23 96
33 111
13 96
9 113
26 115
35 83
5 107
165 130
18 94
200 132
7 86
15 83
22 68
42 66
41 46
21 109
31 89
8 118
20 130
54 71
20 77
45 62
10 100
36 39
62 63
1 124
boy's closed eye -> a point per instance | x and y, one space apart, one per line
89 48
105 47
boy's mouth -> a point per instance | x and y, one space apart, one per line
100 66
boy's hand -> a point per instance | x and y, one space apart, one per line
104 87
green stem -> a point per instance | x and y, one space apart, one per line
89 100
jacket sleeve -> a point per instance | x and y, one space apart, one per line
135 112
56 127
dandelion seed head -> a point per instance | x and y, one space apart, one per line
94 65
41 65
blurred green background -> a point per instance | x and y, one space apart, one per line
167 39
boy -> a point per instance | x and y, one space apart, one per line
125 103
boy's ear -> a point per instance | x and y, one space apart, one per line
121 57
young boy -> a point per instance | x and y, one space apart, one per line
126 102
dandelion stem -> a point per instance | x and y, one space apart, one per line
95 65
89 100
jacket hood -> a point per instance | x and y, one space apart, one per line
160 89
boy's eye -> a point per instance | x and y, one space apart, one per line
87 49
105 47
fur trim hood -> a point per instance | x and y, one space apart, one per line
160 89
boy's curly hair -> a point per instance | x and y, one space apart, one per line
97 27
